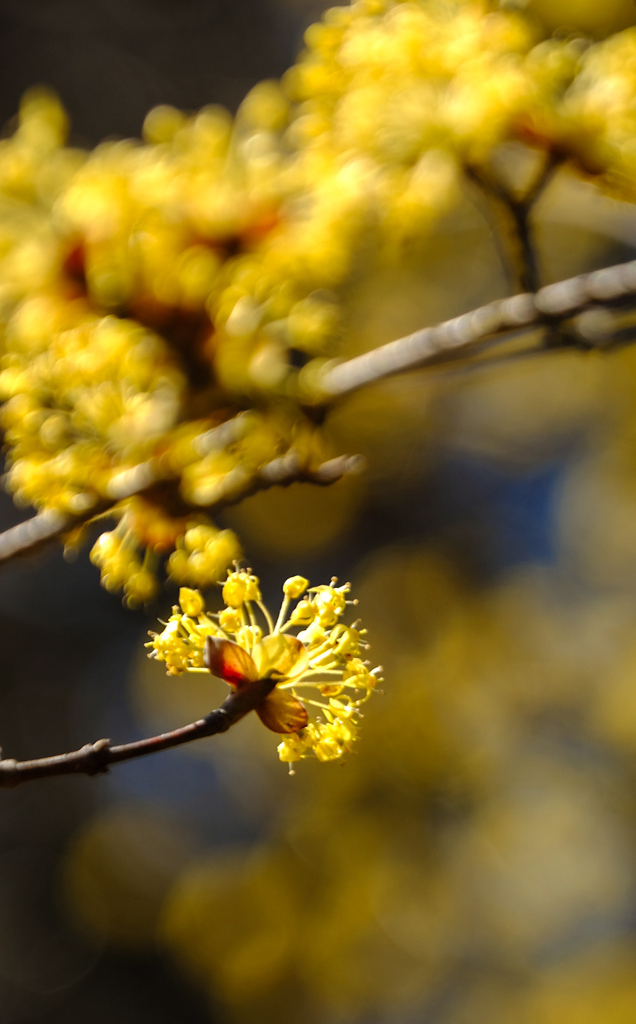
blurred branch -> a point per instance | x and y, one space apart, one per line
516 243
95 758
570 305
577 312
35 533
29 536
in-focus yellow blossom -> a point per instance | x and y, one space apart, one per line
319 668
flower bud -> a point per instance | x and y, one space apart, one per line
140 587
331 597
104 547
348 641
197 537
295 586
234 590
303 613
327 616
313 634
252 591
249 636
178 565
191 602
230 619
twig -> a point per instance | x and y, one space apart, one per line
555 304
287 469
95 758
519 258
528 269
494 323
33 534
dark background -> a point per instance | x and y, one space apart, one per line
111 60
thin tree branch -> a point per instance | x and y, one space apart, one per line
586 296
33 534
287 469
519 255
554 305
41 529
95 758
528 272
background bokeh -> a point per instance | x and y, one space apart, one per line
476 860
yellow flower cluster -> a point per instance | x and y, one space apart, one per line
151 291
600 111
321 666
390 99
115 270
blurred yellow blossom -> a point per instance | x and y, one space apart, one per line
153 291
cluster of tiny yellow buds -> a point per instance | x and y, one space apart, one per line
202 555
128 557
116 554
240 586
330 740
598 112
320 668
106 258
330 603
181 642
321 610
